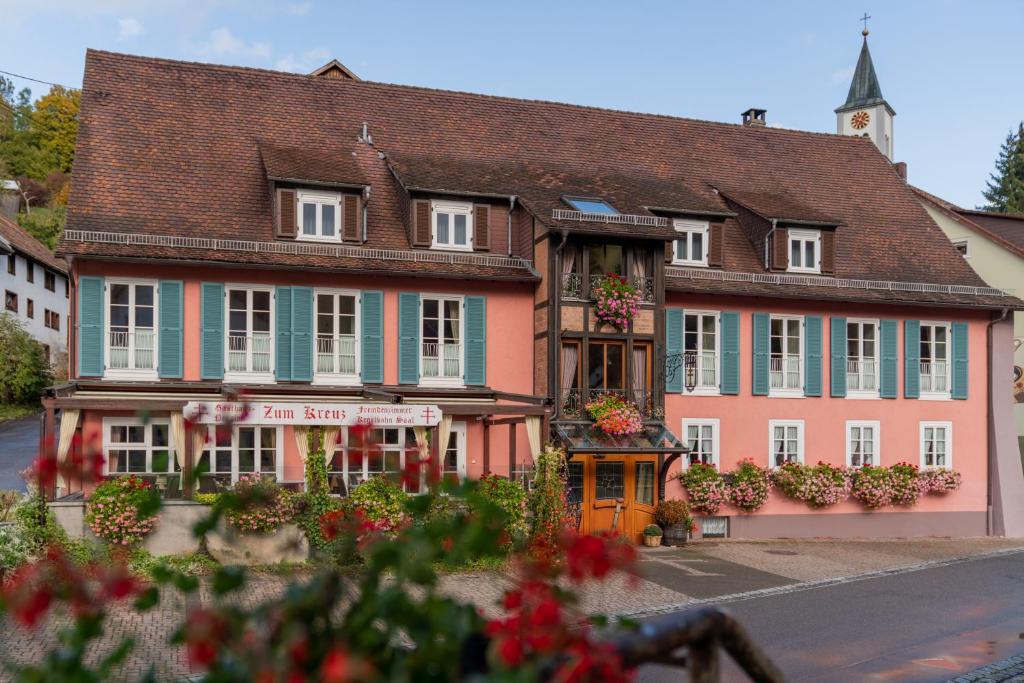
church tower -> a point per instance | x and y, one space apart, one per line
866 112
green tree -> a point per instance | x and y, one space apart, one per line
1005 191
23 369
54 124
45 224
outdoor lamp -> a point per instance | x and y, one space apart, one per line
690 370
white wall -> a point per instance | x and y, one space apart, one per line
42 299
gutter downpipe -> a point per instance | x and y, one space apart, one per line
366 201
991 423
511 207
768 242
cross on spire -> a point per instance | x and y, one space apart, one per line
865 20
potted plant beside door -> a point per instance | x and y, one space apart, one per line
674 517
652 535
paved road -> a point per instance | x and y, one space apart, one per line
19 442
923 626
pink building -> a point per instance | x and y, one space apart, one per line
338 249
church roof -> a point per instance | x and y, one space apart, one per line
864 89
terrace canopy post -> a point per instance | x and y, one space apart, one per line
188 467
512 451
487 448
48 446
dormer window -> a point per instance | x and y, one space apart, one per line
452 225
589 205
804 251
691 247
319 216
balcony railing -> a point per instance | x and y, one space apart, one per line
785 372
250 353
132 350
336 354
574 402
934 376
860 375
573 286
442 359
707 370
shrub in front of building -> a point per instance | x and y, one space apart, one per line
258 505
547 502
905 484
749 485
122 510
510 497
382 502
705 487
24 372
872 486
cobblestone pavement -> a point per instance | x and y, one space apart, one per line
1010 670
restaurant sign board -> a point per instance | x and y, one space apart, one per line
312 414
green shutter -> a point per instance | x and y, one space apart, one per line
90 326
812 355
674 350
959 331
837 354
475 373
761 346
171 337
408 338
730 383
302 334
211 352
283 334
889 332
371 313
911 358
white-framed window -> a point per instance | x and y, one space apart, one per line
131 328
936 444
963 245
804 251
337 337
934 359
453 464
863 438
785 442
136 446
691 247
786 344
319 216
700 336
441 337
381 452
862 366
241 450
701 436
452 224
250 335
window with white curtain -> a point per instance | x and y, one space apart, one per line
862 443
337 337
936 444
786 442
137 446
701 436
700 337
242 450
250 338
935 366
131 328
862 366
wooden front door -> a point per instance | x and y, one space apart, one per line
606 484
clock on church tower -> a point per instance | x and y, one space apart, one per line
860 120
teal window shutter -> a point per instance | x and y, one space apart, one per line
211 351
730 361
283 334
912 358
837 354
171 338
674 347
475 372
371 334
890 361
91 294
408 338
959 333
761 327
812 355
302 334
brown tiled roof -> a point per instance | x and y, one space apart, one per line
779 206
1006 230
171 147
23 242
335 166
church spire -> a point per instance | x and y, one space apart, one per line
865 112
864 89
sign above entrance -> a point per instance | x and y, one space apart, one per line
313 414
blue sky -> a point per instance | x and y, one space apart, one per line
950 69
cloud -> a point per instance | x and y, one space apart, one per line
223 43
299 9
843 75
128 28
305 62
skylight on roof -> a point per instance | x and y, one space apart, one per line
590 205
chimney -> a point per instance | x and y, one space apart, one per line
901 168
754 117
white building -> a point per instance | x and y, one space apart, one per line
34 285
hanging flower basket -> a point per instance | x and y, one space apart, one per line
616 302
615 415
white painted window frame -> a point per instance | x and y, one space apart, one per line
936 424
130 373
716 432
364 471
318 199
964 242
211 446
803 237
338 378
147 444
451 209
772 424
240 376
876 438
786 392
932 395
687 228
449 382
704 390
861 322
459 432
